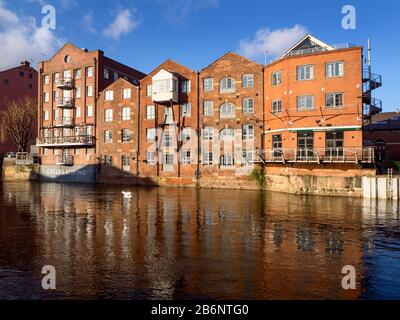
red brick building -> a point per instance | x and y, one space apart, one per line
304 112
15 84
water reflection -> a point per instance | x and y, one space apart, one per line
186 243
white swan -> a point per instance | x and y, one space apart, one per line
127 194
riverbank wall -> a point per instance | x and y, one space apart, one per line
13 171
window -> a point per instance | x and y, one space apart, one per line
208 133
248 81
276 78
305 145
248 156
334 139
226 160
126 135
305 103
46 79
106 73
150 112
108 160
168 159
78 74
277 145
185 134
150 134
109 95
150 158
227 134
21 74
89 91
78 92
149 90
277 106
56 95
46 115
126 113
56 113
334 100
208 108
78 112
186 86
305 72
227 110
164 86
208 84
334 69
90 72
207 158
67 59
89 111
126 163
248 105
6 82
185 157
127 93
108 115
167 141
108 136
116 76
168 115
186 110
248 132
46 97
30 76
227 85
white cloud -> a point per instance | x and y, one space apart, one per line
88 23
276 42
177 10
21 39
124 23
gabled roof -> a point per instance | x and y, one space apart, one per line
232 54
112 85
73 47
164 66
308 42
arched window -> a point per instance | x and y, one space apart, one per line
227 85
226 160
227 110
227 134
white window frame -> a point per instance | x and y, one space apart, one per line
151 134
150 158
303 103
186 86
334 96
108 136
207 158
150 112
276 78
227 134
127 93
305 72
186 133
186 110
248 80
109 95
108 115
227 160
248 132
89 111
126 135
334 69
126 113
248 105
208 108
208 133
224 108
89 91
149 90
208 84
90 72
276 106
227 85
185 157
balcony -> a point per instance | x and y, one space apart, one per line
371 81
70 141
65 103
65 122
372 107
65 160
319 155
64 83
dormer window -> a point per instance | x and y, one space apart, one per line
227 85
165 86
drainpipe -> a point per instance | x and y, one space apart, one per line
138 130
198 127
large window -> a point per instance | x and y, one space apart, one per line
186 86
334 100
248 132
227 110
150 112
208 108
227 85
150 134
108 136
277 106
207 158
305 145
305 72
248 81
186 110
248 105
168 159
277 145
108 115
227 160
208 84
334 69
126 135
164 86
305 103
126 113
208 133
227 134
276 78
127 93
185 157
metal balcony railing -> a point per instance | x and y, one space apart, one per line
64 83
65 122
67 103
66 141
65 160
319 155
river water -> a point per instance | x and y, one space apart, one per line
167 243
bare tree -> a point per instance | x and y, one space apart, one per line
18 120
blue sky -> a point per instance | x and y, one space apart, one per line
144 33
